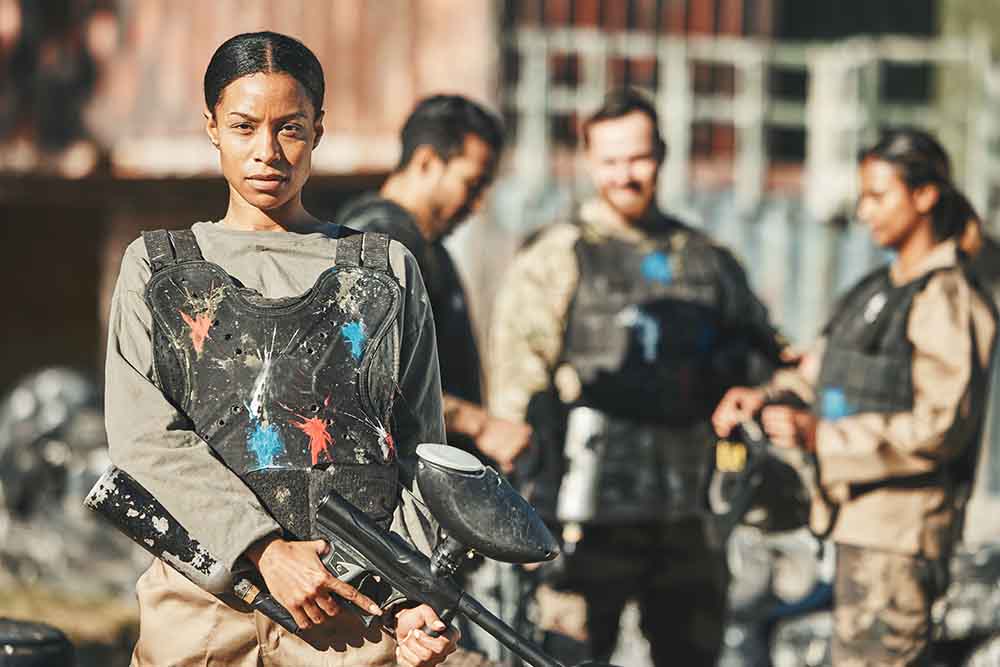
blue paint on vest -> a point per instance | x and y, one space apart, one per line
354 333
833 404
647 328
656 267
265 443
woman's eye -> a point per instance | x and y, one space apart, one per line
243 127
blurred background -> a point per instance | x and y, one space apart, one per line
764 104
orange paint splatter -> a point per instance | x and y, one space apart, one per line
388 445
199 329
320 439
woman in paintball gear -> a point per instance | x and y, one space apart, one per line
896 386
271 341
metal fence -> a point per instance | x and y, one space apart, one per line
794 240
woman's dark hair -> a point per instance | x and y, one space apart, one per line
920 160
268 52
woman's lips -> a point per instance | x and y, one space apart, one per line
266 183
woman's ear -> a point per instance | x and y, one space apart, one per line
925 197
211 127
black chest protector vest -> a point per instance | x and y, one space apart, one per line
294 395
645 332
868 361
645 337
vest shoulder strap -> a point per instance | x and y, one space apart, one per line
165 248
845 301
367 249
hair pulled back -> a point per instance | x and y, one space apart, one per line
269 52
921 160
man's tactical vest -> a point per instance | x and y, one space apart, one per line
645 336
294 395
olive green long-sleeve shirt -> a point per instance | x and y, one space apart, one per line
148 437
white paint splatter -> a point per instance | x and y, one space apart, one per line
161 524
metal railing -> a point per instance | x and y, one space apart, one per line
794 256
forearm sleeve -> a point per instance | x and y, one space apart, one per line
152 441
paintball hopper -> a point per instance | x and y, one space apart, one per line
478 508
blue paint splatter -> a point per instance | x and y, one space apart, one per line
656 267
648 330
265 443
354 333
833 403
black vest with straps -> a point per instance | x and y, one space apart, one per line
868 360
645 333
295 394
647 339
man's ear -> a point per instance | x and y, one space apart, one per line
318 128
925 197
426 160
211 127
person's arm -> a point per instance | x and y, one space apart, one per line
745 314
500 439
871 446
529 322
417 410
152 441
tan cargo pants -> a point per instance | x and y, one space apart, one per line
183 626
882 608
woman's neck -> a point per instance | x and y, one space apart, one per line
291 216
911 253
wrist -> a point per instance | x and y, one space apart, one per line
464 417
256 550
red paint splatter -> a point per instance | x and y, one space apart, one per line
199 329
390 446
320 439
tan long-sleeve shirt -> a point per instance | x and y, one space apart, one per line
947 403
148 437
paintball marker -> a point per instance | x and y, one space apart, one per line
476 508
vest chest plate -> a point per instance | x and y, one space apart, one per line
294 395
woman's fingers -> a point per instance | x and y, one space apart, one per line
328 604
351 594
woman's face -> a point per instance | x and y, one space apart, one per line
892 211
265 128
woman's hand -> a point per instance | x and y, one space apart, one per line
298 580
416 648
738 405
790 427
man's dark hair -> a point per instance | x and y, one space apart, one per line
268 52
621 102
443 121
